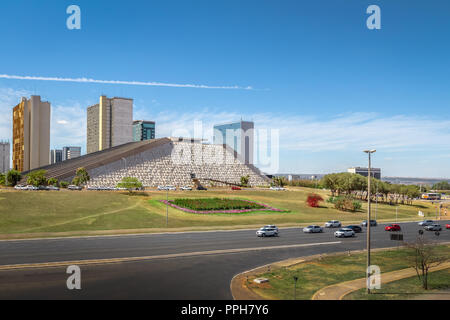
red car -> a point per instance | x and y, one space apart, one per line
392 227
235 188
447 226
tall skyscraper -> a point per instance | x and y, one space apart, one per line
4 156
56 156
31 134
70 153
109 123
143 130
237 135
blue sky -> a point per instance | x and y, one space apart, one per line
331 86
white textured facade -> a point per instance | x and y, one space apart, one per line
173 164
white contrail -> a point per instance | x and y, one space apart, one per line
131 83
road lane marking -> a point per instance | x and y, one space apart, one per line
165 256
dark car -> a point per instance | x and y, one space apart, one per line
355 228
373 223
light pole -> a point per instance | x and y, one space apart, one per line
369 152
167 208
295 287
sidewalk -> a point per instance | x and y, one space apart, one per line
338 291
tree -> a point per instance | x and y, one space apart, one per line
245 180
424 257
443 185
313 200
13 177
279 181
2 179
64 184
130 184
52 182
37 178
81 177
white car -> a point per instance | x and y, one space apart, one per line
313 229
74 187
333 224
30 187
267 232
344 233
186 188
160 188
277 188
20 187
425 223
271 226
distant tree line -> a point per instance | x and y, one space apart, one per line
443 185
356 185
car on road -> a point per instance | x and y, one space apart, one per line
186 188
235 188
344 233
355 228
447 226
52 188
433 227
74 187
313 229
20 187
271 226
267 232
425 223
393 227
33 188
373 223
333 224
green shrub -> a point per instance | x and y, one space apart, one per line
209 204
347 204
63 184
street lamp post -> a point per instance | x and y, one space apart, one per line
295 287
369 152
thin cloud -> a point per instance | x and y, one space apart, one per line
119 82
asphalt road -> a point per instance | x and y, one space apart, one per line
184 266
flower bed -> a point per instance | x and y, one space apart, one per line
215 205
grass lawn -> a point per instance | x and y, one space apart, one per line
316 274
31 212
406 288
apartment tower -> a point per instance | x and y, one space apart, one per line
31 134
109 123
4 156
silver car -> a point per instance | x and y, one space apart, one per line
425 223
433 227
313 229
267 232
333 224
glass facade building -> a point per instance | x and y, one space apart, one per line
143 130
237 135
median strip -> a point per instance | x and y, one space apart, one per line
165 256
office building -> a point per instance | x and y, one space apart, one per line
31 134
374 172
70 153
4 156
143 130
109 123
239 136
56 156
